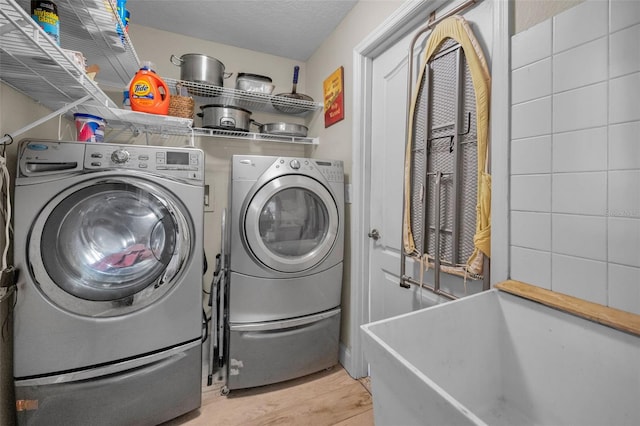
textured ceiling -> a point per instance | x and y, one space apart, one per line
292 29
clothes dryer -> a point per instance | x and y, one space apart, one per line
286 242
108 244
287 237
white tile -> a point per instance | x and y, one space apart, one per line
624 193
531 266
624 101
624 146
580 66
579 193
531 193
531 81
531 45
531 155
580 108
624 13
624 241
585 22
583 150
531 119
531 230
583 278
624 288
580 236
624 57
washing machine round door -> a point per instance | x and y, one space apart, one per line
291 223
109 247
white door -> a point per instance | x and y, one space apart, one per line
388 137
375 277
389 116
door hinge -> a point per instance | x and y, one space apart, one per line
26 404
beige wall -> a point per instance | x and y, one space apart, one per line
337 51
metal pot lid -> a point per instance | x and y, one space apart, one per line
202 107
253 77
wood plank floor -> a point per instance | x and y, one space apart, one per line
330 397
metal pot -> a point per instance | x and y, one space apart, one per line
283 129
225 117
200 68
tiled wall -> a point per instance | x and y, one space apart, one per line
575 153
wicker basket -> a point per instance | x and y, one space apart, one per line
181 106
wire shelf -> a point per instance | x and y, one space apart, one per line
33 64
92 27
257 137
254 101
87 26
140 121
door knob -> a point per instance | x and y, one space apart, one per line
374 234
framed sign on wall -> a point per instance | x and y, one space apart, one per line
334 97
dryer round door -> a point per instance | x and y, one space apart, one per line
291 223
109 247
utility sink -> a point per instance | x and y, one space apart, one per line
499 359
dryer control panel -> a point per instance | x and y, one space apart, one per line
264 168
332 170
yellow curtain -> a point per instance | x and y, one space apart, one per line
457 28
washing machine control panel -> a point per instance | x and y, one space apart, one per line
181 163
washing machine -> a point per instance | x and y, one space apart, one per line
286 245
108 317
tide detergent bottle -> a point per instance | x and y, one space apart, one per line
148 92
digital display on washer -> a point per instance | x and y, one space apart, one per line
180 158
323 163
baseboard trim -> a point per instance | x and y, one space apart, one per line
346 360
